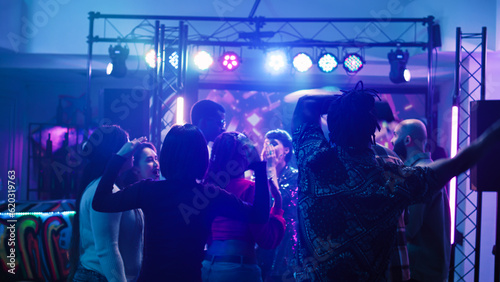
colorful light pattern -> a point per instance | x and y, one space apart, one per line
353 63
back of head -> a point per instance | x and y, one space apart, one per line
285 139
231 154
416 130
351 119
208 116
102 144
184 154
204 109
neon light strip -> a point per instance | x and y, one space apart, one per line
180 111
453 181
37 213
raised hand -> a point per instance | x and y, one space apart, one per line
127 150
269 155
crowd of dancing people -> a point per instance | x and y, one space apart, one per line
223 211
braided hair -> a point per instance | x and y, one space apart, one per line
351 118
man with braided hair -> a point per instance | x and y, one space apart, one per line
349 203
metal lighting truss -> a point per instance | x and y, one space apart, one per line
258 33
470 85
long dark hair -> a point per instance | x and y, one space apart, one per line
102 144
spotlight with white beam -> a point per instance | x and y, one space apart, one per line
398 60
302 62
276 61
203 60
118 55
150 58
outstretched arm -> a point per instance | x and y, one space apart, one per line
228 205
448 168
260 210
127 199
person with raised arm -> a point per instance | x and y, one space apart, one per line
178 211
349 203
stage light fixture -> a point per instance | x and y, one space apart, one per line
203 60
150 58
276 61
230 61
302 62
327 62
118 55
353 63
398 60
173 59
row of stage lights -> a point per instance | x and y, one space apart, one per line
276 62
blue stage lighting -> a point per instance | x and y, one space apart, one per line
327 62
276 61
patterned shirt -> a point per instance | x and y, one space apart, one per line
348 208
399 266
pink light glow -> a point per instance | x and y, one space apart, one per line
180 111
453 181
